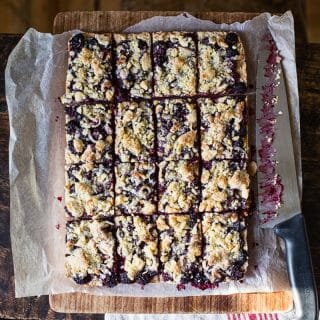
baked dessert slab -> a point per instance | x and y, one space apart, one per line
180 247
133 65
224 186
90 255
156 181
135 133
88 133
178 186
89 191
174 59
223 128
137 249
177 137
135 188
225 250
221 61
89 74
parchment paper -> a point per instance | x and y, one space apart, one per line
35 78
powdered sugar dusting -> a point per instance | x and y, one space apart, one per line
270 185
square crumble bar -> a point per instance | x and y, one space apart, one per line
221 61
89 191
180 247
178 186
174 55
133 65
224 186
177 136
90 255
224 133
135 188
88 133
225 252
89 75
137 249
135 135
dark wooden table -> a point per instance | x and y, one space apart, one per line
308 63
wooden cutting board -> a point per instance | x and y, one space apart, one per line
106 21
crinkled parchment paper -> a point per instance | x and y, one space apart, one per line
35 78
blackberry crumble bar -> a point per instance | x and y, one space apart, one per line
89 75
135 136
88 133
137 249
135 188
180 247
225 186
176 129
174 55
133 65
178 186
223 128
90 256
225 255
222 67
89 190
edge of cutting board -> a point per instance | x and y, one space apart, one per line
236 303
116 21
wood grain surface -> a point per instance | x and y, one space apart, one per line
308 63
116 21
40 13
108 21
236 303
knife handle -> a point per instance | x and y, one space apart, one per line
301 276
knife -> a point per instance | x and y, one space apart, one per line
289 224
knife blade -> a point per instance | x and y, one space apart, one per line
283 145
289 222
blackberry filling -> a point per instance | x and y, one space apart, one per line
142 45
205 41
159 53
146 277
92 43
110 281
77 42
236 272
231 38
239 88
216 47
124 278
82 280
231 52
166 277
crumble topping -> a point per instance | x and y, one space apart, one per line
225 254
221 63
135 188
90 252
133 64
178 186
134 131
180 246
89 190
175 63
225 186
223 128
88 133
89 75
138 248
176 129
